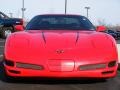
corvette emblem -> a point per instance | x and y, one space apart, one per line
59 51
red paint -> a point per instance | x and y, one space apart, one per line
101 28
61 53
19 27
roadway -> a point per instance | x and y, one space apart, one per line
39 84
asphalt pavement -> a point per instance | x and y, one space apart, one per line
50 84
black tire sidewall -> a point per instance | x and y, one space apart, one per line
3 29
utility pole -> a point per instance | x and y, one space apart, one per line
65 6
87 8
23 9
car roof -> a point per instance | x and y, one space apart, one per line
60 14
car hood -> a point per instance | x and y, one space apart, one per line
60 39
59 45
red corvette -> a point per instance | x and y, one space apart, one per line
60 46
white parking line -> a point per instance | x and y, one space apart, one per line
1 56
118 46
2 41
2 46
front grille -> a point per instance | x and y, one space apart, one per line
92 67
29 66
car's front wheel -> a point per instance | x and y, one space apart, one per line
8 78
6 31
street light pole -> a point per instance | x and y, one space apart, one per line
87 8
65 6
23 9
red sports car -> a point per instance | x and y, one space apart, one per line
60 46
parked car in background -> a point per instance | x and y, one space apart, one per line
113 33
9 25
118 33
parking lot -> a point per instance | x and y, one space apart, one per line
38 84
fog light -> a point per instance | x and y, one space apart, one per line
29 66
92 67
9 63
112 64
108 72
15 72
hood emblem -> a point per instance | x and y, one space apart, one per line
60 51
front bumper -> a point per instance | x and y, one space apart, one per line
100 73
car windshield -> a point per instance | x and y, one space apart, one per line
59 22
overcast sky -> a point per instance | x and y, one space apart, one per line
107 10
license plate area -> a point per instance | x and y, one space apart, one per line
61 65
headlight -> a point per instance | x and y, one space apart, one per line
9 63
92 67
29 66
112 64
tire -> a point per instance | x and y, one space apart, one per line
5 32
7 78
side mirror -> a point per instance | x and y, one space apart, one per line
101 28
19 28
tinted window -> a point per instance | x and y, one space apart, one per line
59 22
